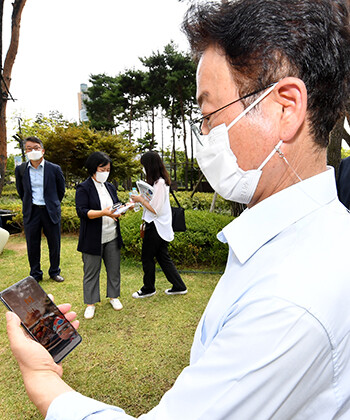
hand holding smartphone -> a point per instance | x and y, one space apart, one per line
41 318
121 208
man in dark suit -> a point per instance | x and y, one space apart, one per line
41 186
343 182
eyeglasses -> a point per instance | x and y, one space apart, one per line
196 125
29 149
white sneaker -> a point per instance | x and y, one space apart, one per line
140 294
116 304
175 292
89 312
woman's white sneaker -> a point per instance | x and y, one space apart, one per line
116 304
89 312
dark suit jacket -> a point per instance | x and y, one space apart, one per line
343 182
86 198
54 188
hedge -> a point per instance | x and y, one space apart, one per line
197 246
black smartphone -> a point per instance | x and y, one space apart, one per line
41 317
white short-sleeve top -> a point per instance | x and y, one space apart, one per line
162 219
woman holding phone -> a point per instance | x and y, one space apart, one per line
158 231
99 237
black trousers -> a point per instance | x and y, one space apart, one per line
154 246
40 220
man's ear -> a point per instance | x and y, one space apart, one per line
291 94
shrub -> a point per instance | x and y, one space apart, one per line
197 246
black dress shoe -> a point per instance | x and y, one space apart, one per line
38 278
58 278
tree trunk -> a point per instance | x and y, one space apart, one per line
5 78
212 206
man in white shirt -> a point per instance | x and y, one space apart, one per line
273 342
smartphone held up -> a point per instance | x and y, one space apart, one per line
41 317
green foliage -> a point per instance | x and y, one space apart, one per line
41 126
345 153
9 190
201 201
101 106
198 246
168 83
70 221
69 145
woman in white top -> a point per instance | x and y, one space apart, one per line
99 237
158 232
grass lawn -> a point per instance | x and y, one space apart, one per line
127 358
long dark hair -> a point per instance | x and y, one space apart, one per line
154 167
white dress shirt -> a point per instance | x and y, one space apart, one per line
37 183
109 232
274 340
161 204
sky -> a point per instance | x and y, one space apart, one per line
63 42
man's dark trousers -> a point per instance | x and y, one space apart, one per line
40 221
38 218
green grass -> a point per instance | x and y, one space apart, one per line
127 358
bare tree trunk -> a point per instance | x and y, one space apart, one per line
5 78
212 206
184 137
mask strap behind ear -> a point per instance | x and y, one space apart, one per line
279 151
275 149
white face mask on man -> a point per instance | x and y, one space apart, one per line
219 164
35 155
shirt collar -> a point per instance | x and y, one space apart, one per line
40 164
98 185
256 226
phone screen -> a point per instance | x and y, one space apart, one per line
41 317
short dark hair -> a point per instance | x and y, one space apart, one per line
95 160
33 140
267 40
154 167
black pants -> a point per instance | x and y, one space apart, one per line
154 246
40 220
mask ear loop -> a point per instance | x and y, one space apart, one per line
281 155
275 149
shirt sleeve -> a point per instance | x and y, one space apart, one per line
250 370
74 406
159 196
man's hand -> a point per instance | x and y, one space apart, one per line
41 375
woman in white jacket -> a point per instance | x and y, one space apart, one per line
158 231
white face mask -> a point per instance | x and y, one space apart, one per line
35 155
144 170
219 164
101 176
